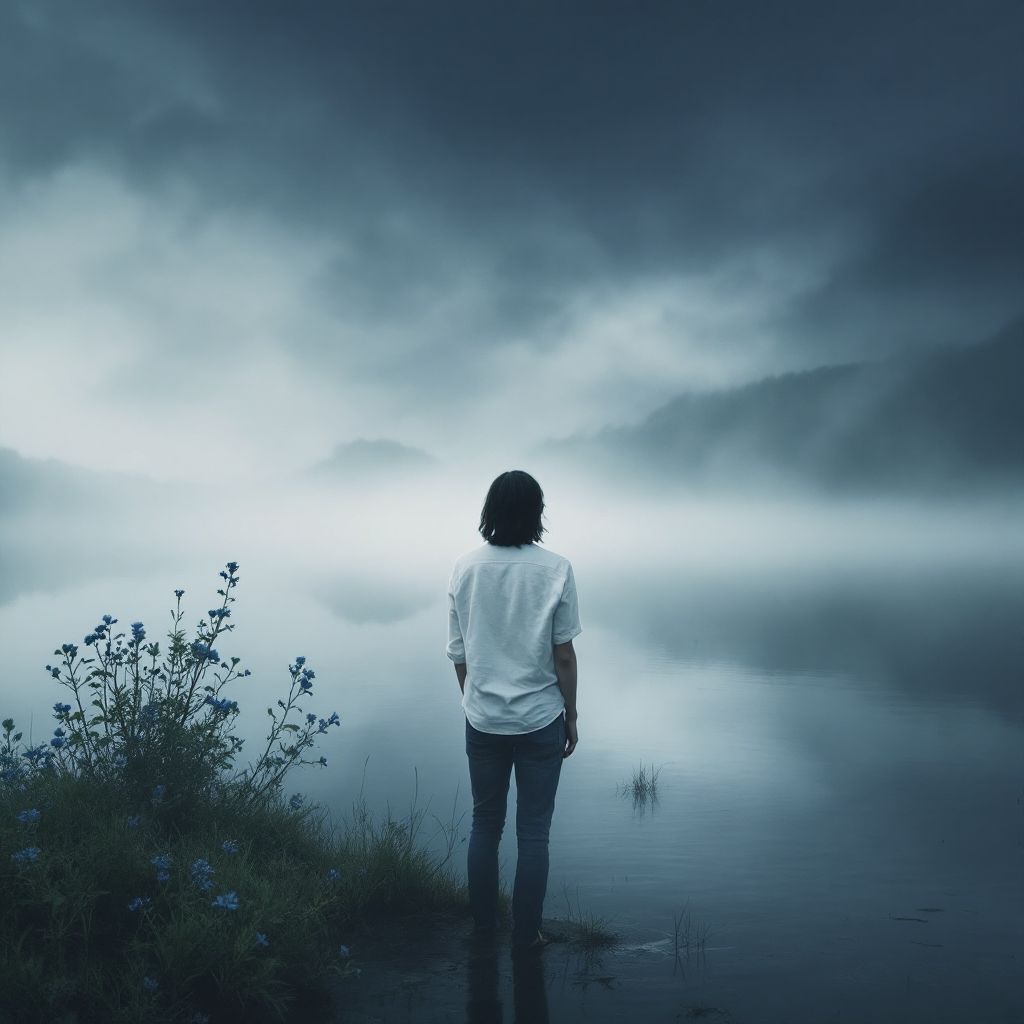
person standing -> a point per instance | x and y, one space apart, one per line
512 617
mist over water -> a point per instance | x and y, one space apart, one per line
831 689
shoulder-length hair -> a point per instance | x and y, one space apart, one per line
512 510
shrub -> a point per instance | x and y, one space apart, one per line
144 875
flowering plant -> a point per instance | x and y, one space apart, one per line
156 721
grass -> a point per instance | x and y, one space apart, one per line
642 787
583 928
688 938
70 949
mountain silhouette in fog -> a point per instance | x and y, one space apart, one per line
362 458
939 419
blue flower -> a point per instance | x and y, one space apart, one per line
200 873
60 710
108 620
158 795
230 846
232 567
326 723
310 719
120 761
262 939
54 671
29 817
334 875
27 856
300 661
200 1018
139 903
135 822
223 705
151 984
246 673
179 593
204 652
58 740
323 761
163 864
70 650
219 613
226 901
343 952
138 632
295 802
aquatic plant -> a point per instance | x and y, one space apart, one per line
583 928
641 788
688 938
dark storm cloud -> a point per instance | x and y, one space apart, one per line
569 145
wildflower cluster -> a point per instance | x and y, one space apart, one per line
226 901
200 874
19 766
162 863
156 721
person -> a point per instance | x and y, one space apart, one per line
513 614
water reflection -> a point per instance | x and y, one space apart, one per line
483 990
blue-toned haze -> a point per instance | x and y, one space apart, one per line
741 282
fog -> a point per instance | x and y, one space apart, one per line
741 284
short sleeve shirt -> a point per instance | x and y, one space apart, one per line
507 608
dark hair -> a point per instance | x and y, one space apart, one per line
512 510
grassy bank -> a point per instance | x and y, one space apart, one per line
146 875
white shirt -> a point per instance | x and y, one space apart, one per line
507 608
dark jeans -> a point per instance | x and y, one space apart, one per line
537 759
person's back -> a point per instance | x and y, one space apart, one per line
509 606
512 618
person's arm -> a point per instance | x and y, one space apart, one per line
460 674
565 672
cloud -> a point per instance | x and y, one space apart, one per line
461 224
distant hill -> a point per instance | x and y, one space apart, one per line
361 459
943 419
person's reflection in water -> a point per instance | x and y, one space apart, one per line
483 1005
531 996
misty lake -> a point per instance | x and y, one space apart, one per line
832 695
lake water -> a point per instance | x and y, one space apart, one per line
834 703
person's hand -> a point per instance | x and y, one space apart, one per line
571 737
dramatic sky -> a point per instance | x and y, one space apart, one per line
234 235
